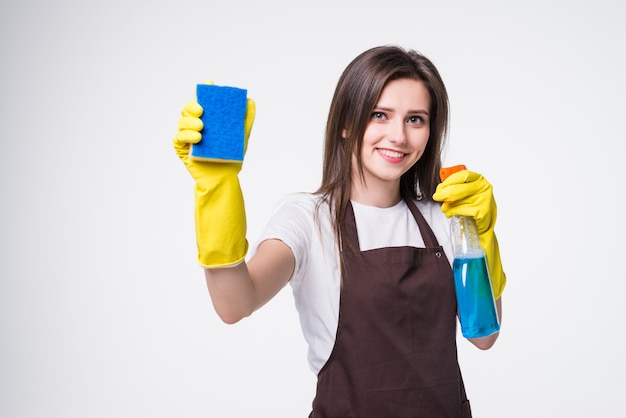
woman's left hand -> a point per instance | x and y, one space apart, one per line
466 193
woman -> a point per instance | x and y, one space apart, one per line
368 255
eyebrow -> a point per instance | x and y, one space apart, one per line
410 112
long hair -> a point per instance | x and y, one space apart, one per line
355 97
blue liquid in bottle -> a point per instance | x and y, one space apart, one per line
475 302
477 310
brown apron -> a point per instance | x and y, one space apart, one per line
395 349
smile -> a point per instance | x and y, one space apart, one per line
391 154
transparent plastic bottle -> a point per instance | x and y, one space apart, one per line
477 308
478 315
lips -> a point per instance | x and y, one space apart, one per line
390 153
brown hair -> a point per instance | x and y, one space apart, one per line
356 95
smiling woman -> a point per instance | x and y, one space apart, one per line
368 255
393 142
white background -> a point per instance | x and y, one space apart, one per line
103 309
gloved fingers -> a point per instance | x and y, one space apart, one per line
187 136
462 176
484 213
451 209
181 146
462 185
192 109
190 123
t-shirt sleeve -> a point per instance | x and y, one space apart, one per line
292 223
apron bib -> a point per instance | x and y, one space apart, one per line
395 350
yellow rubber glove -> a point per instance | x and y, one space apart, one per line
466 193
220 217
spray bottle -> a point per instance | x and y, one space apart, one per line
475 301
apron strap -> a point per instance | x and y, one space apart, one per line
430 240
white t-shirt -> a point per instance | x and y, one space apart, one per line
316 278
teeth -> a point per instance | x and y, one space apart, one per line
391 154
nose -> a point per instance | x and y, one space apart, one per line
397 133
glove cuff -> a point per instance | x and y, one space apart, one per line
489 242
209 260
220 223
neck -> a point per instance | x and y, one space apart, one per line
380 195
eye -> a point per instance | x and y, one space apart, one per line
415 120
379 116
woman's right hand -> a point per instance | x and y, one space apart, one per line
220 218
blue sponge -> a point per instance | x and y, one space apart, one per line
223 118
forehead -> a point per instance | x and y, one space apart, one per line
406 92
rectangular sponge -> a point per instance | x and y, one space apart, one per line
223 118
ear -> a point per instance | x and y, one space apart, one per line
344 133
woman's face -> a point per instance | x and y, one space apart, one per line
397 133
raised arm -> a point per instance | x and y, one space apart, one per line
237 289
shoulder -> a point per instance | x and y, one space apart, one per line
431 210
297 219
302 221
304 208
304 202
433 215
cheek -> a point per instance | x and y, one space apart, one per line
371 134
421 139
